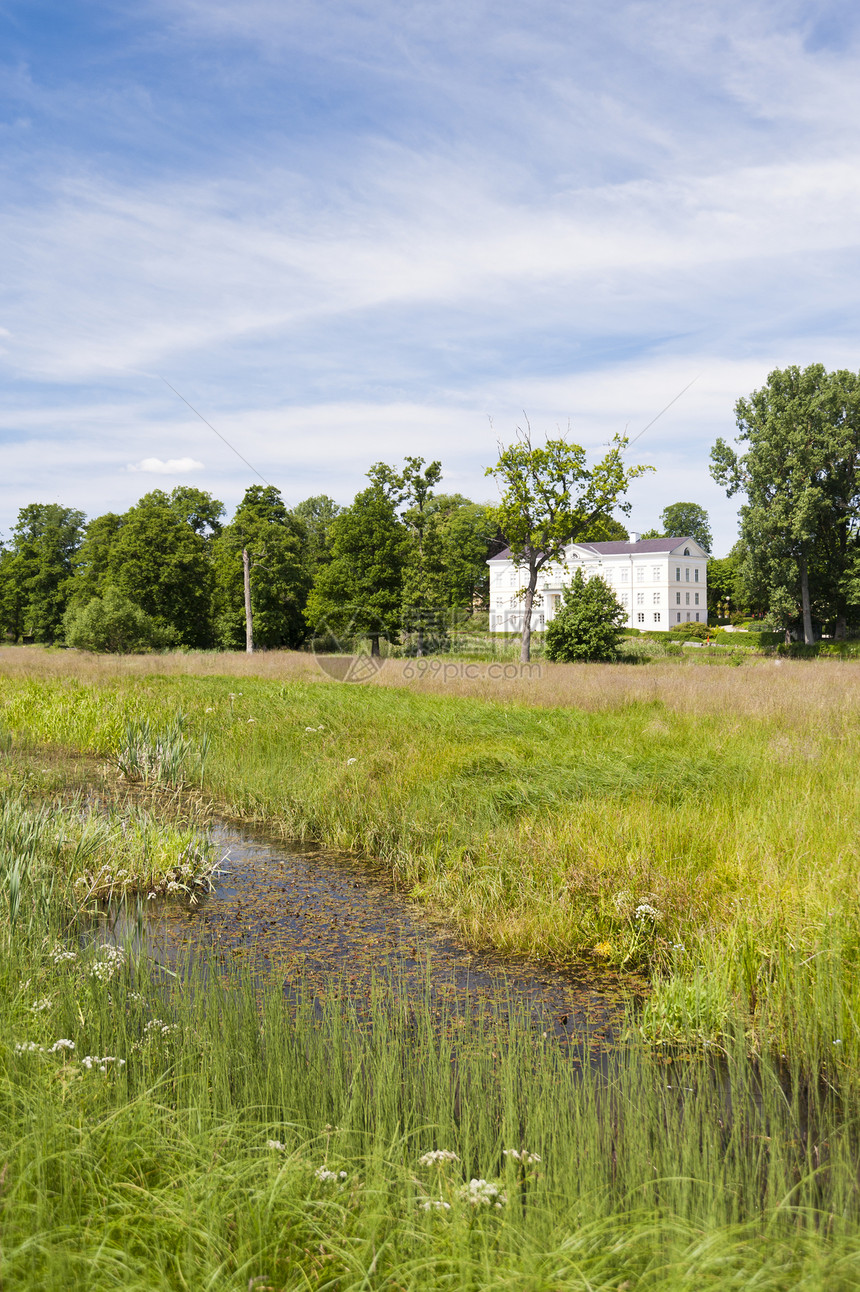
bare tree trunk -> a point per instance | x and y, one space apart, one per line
808 636
249 622
374 644
840 632
528 602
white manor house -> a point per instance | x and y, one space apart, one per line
661 582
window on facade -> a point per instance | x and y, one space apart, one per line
677 574
686 598
677 598
697 598
687 575
679 616
656 616
696 576
623 598
625 574
656 598
512 579
697 616
686 551
655 573
640 619
640 573
640 598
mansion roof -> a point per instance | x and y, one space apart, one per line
644 547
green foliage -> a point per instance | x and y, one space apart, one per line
160 561
801 477
687 520
36 571
588 624
91 562
316 515
469 538
114 625
276 541
550 497
358 594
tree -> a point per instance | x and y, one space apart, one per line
160 562
276 542
687 520
91 562
37 574
801 478
114 625
588 624
550 498
469 534
359 592
317 514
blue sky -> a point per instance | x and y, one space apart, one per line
348 231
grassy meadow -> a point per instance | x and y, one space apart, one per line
698 822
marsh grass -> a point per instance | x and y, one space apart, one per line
200 1134
696 822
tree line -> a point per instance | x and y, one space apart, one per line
402 557
169 571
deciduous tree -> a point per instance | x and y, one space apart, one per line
550 497
800 474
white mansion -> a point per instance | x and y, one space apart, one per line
661 582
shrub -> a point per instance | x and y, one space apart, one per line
698 631
588 624
112 624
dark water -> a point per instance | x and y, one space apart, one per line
325 922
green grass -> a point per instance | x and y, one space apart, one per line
680 840
716 1148
197 1133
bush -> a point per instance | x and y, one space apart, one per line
700 632
114 625
588 624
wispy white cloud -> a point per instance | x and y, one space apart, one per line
172 467
443 212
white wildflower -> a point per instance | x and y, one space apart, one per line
521 1155
150 896
60 955
209 709
158 1027
435 1204
437 1156
310 728
39 1006
323 1174
172 887
29 1047
276 1144
350 761
90 1061
252 719
646 912
62 1044
483 1193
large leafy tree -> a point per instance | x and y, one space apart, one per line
469 534
160 561
37 570
316 514
91 562
358 593
800 473
684 520
550 497
275 540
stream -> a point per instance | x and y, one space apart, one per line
327 922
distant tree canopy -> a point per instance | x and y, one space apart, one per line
276 541
37 571
684 520
800 475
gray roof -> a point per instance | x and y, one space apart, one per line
645 545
